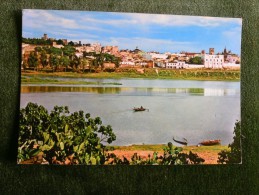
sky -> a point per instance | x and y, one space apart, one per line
148 32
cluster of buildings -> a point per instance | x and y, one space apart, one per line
139 58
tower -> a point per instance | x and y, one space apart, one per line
45 37
225 53
211 51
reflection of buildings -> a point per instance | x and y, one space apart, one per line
220 92
213 92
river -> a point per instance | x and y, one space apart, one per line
195 110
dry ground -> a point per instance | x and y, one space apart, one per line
208 153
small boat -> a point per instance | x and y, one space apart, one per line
139 109
184 142
210 142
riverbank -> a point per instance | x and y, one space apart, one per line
42 80
148 73
208 153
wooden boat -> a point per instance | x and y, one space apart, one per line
184 142
210 142
139 109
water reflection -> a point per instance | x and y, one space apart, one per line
42 89
132 90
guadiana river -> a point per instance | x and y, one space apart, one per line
195 110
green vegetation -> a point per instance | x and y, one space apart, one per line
234 154
61 137
49 58
149 73
40 80
36 41
99 58
196 60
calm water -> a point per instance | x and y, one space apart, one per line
196 110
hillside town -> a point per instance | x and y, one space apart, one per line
46 53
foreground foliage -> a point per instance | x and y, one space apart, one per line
61 137
234 155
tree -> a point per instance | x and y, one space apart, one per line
117 61
195 60
44 58
36 41
75 62
56 51
71 43
68 50
85 63
33 60
60 42
234 155
38 49
64 61
54 61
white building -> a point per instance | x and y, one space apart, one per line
233 59
152 55
54 44
213 61
127 63
176 64
79 54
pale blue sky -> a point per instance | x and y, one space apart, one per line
149 32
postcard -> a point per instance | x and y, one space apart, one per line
109 88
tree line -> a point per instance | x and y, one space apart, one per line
37 41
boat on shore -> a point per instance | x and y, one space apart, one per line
139 109
183 142
210 142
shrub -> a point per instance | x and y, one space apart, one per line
173 156
234 155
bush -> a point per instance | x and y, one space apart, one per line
173 156
234 155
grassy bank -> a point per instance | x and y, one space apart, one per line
150 73
41 80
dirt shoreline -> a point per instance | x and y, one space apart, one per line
208 153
